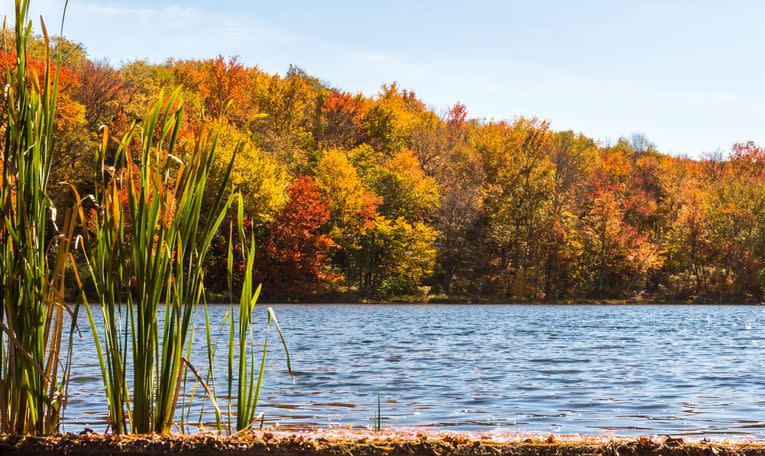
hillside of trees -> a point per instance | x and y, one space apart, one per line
381 196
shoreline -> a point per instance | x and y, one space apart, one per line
367 443
435 300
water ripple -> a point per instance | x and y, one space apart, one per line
626 370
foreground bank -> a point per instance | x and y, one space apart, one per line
368 444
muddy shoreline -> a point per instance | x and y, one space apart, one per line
369 444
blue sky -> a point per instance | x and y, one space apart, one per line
687 74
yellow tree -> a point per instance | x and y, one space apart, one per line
352 207
403 256
286 130
260 178
338 180
405 188
518 200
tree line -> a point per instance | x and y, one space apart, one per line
381 196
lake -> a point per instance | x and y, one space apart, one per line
625 370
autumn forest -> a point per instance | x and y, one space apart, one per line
382 197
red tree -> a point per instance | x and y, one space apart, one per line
294 259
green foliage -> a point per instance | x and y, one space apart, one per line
378 417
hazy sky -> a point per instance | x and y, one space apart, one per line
687 74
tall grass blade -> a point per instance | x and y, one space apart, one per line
34 252
146 257
249 382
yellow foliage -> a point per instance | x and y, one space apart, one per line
260 178
338 180
406 190
408 253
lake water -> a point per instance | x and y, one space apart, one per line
626 370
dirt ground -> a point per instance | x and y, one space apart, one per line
368 444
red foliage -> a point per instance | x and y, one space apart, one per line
294 259
67 79
457 116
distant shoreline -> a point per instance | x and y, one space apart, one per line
214 298
440 299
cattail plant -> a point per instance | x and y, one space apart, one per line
146 251
249 381
34 252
